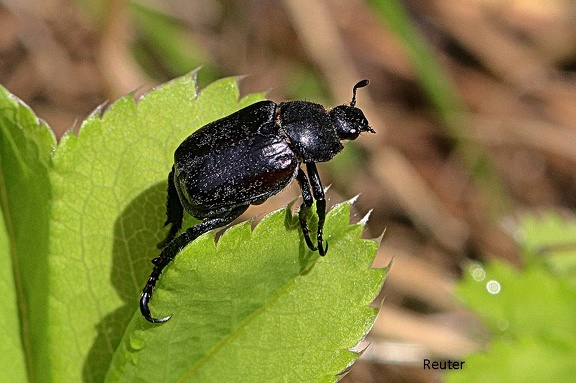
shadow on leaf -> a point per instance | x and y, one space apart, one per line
136 232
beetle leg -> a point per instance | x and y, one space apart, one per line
174 211
172 249
318 193
304 211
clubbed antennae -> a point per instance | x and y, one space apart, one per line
360 84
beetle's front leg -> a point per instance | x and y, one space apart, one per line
170 252
318 193
174 211
304 211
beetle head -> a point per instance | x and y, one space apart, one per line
348 120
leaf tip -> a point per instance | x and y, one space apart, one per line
364 220
98 111
380 237
353 200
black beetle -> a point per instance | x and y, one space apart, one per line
245 158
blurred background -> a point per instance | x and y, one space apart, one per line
473 101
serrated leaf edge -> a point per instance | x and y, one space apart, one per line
280 293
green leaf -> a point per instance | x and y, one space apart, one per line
525 360
528 303
12 364
108 211
258 307
530 314
25 147
551 238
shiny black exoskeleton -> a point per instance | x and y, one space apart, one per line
245 158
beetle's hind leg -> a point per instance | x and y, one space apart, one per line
174 211
304 211
172 249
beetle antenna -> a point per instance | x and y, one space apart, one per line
360 84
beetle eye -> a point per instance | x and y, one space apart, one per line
352 135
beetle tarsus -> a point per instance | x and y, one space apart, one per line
159 264
318 192
304 211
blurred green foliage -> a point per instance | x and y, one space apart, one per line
529 312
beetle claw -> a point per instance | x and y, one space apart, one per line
145 310
308 240
321 249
